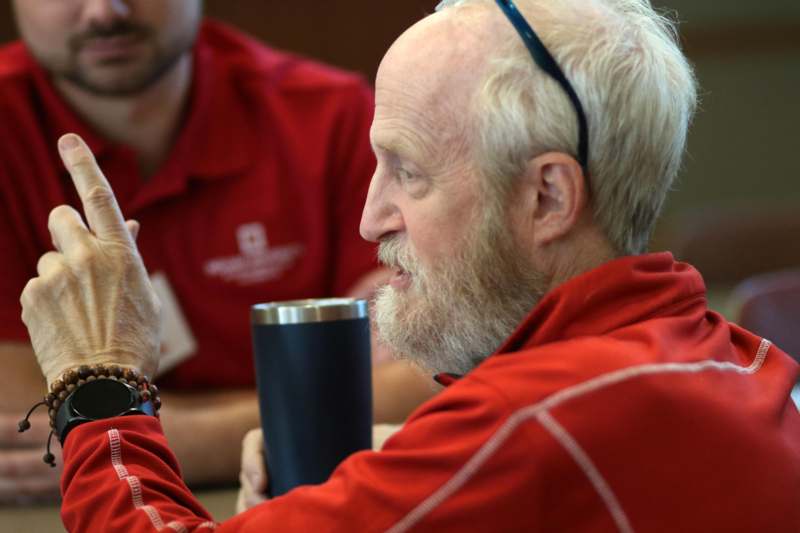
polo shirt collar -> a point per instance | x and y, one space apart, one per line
614 295
216 138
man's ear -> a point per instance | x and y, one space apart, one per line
553 196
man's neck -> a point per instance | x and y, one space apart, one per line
147 122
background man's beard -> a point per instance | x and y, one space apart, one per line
455 315
163 59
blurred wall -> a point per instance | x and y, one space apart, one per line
745 144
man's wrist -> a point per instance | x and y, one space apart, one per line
94 393
97 400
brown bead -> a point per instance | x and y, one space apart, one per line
57 386
115 370
56 404
157 402
62 395
70 376
153 390
90 377
102 376
113 377
81 383
100 370
141 380
129 374
71 388
49 398
84 371
52 412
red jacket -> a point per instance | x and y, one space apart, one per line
620 404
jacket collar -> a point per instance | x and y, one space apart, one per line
616 294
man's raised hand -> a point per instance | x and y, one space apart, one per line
92 302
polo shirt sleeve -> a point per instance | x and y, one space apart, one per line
353 166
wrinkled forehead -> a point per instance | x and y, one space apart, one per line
431 73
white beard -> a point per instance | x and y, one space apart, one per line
457 313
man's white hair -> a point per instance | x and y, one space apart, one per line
638 91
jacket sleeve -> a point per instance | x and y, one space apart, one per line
120 476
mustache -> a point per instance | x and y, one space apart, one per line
395 254
120 28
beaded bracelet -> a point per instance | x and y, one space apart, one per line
61 389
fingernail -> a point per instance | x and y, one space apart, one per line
68 142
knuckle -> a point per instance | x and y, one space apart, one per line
30 293
84 163
82 258
99 196
58 215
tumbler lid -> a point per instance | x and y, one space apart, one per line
304 311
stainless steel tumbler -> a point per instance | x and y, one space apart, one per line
312 360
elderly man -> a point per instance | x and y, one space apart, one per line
247 168
513 199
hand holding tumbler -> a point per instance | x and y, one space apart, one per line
312 360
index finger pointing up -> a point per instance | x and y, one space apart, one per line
99 205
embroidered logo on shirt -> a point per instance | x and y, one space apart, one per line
257 261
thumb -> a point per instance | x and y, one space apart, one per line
133 228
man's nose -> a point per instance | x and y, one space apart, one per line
104 12
381 216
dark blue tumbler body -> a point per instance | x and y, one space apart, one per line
314 380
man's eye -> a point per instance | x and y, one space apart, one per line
404 175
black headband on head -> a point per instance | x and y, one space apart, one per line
545 61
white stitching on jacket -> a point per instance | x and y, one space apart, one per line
532 411
133 483
585 463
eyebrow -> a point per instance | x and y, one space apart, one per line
403 145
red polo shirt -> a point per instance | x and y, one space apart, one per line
259 200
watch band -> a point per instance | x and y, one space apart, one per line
97 400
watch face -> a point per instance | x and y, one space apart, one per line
102 398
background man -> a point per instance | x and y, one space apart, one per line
513 204
247 167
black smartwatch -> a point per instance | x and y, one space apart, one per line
98 399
